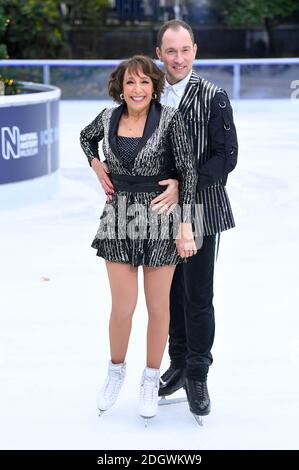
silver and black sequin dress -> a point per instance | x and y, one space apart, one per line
129 231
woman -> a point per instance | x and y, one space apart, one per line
143 143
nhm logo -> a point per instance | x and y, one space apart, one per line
10 142
16 145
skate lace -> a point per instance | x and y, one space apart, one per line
201 390
148 389
113 383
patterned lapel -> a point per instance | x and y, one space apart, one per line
114 121
152 122
190 92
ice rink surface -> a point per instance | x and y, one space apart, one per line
55 302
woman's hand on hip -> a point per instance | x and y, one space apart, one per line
101 170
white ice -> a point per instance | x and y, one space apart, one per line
54 344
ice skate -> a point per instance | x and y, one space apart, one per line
198 398
148 397
171 381
113 383
171 401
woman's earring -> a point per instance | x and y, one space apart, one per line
154 96
122 96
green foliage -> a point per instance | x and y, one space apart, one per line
34 30
3 51
3 24
89 12
11 87
255 12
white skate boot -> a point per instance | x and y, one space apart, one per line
107 396
148 398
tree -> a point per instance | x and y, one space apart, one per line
87 12
35 28
251 13
8 86
3 24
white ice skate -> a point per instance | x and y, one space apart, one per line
148 398
113 383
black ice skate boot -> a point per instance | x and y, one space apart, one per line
198 398
171 381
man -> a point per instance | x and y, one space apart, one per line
209 120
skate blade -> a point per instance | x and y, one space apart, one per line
101 412
171 401
146 420
198 419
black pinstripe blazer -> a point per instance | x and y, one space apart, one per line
202 108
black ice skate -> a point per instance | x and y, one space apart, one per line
171 381
198 398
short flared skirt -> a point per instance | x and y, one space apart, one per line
131 232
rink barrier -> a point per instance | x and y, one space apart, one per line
236 64
29 152
29 133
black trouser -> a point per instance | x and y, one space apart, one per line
192 324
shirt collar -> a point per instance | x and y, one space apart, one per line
178 87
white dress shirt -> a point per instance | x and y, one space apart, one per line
172 94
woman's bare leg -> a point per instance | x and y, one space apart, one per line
124 290
157 282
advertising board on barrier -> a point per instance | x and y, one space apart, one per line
29 139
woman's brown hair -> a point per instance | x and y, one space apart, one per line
134 65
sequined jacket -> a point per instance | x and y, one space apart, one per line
164 148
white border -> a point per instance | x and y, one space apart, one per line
50 93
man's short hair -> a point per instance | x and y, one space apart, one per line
173 24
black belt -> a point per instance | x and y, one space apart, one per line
138 184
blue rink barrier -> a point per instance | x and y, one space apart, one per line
29 145
29 133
